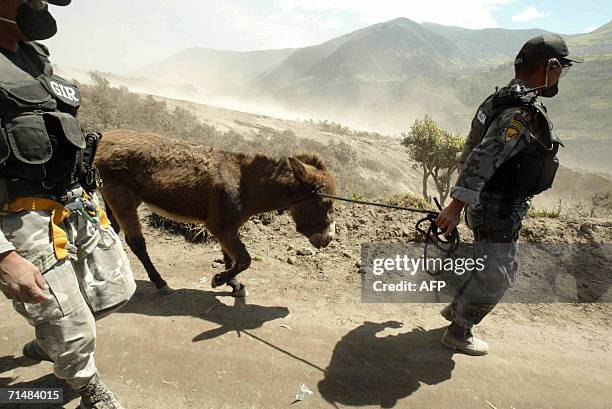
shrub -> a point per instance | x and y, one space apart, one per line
339 129
544 212
410 200
192 232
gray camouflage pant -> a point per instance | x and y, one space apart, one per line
496 229
93 281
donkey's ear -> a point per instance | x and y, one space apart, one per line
299 170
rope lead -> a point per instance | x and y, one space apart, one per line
432 234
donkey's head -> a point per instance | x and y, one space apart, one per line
313 215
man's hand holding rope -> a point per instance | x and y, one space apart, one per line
449 217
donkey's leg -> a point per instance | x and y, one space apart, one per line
138 246
124 204
239 290
227 260
239 258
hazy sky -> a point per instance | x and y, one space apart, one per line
121 35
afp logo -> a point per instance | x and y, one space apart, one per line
63 91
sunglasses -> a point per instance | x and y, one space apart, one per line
554 63
565 68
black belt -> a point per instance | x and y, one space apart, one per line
29 188
504 197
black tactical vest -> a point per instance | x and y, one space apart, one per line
41 140
533 169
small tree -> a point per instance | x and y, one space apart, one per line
446 162
436 151
419 140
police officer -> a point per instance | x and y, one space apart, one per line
509 156
60 261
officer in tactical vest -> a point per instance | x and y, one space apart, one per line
60 261
509 156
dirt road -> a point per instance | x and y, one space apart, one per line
304 324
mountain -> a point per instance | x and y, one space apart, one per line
486 46
384 76
393 50
303 59
595 43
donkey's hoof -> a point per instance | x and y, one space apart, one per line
240 292
217 281
165 290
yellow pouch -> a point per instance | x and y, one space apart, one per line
58 214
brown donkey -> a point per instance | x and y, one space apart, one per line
191 183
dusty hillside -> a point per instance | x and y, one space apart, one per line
383 160
380 158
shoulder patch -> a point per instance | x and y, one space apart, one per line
517 126
482 117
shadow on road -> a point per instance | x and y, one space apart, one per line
204 305
367 369
8 363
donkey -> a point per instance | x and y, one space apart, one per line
197 184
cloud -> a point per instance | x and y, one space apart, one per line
529 14
589 29
331 23
467 13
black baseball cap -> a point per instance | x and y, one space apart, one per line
54 2
40 4
545 47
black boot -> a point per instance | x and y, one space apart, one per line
95 395
34 351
